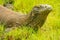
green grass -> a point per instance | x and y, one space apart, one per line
49 31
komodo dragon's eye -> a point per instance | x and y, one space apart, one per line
36 8
41 6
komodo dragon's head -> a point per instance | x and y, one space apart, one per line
38 15
42 9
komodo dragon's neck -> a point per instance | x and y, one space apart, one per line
36 19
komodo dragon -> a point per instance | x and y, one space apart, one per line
35 18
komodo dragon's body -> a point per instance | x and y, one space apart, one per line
35 18
10 18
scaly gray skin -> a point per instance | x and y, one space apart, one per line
38 15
